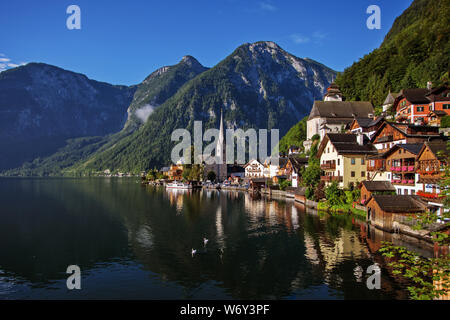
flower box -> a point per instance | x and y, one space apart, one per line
404 168
411 168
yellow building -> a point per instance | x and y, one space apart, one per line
343 158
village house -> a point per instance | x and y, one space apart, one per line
387 136
390 134
401 167
430 165
389 102
175 172
293 168
383 210
415 105
254 169
294 150
367 126
370 188
333 114
343 158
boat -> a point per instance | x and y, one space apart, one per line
178 185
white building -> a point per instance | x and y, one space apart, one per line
254 169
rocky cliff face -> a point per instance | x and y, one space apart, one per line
160 86
42 105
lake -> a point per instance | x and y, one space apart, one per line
135 242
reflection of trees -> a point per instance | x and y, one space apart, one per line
271 249
50 224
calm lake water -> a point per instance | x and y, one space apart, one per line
134 242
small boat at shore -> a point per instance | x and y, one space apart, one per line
178 185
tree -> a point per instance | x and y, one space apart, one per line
334 195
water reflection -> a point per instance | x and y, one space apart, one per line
135 242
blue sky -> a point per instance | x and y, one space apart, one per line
121 42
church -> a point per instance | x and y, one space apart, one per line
333 113
220 169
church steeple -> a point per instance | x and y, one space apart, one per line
220 146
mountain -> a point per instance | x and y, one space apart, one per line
160 86
416 50
258 86
42 105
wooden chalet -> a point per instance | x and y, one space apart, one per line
389 134
370 188
431 161
383 210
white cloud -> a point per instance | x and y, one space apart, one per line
298 38
266 6
144 112
6 63
316 37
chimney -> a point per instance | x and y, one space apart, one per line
360 138
429 85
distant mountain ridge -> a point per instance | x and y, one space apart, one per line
42 105
258 86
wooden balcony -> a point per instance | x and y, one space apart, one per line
328 166
376 167
331 178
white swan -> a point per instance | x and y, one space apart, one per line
205 242
193 252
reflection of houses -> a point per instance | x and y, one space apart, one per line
383 210
333 114
431 161
401 167
370 188
342 158
254 169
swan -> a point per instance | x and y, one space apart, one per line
193 252
205 242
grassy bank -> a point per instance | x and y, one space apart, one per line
343 208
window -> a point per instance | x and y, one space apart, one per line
446 106
363 174
405 192
420 109
339 162
353 161
328 150
353 174
362 161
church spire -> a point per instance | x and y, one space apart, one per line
219 148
